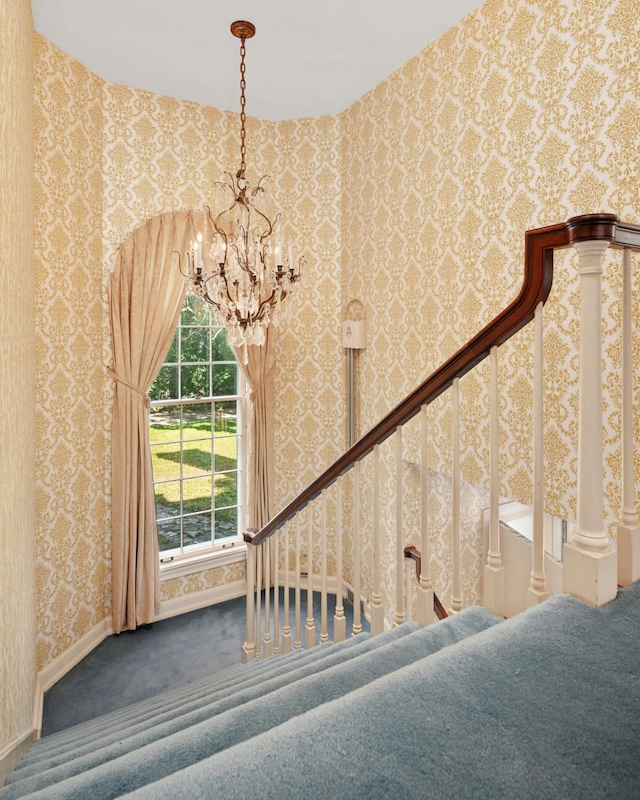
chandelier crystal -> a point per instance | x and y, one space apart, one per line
237 264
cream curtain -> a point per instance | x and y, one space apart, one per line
258 370
146 293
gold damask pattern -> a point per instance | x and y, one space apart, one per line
72 519
123 155
415 200
309 382
17 395
522 115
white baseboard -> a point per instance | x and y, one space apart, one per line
197 600
63 663
59 667
12 752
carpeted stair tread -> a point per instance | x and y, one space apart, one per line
192 695
545 706
114 743
201 688
226 677
242 722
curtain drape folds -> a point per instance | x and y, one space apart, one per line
258 371
146 292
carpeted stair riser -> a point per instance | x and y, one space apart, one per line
228 677
233 680
541 707
241 722
181 699
115 743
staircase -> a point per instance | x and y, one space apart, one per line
546 704
543 705
346 536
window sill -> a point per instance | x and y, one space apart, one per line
219 557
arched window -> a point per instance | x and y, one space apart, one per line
196 436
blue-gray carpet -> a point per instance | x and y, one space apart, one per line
130 667
546 705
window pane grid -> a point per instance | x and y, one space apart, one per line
196 442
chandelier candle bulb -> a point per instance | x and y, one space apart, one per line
194 257
200 265
221 249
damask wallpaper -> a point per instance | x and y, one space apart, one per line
523 115
124 155
415 200
17 400
72 488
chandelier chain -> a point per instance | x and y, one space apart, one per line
243 116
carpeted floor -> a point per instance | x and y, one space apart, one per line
129 667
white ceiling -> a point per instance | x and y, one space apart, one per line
307 58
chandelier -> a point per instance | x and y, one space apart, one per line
237 263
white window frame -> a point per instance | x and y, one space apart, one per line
198 557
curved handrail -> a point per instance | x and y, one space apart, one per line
536 285
412 552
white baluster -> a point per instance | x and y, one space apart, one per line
267 644
310 627
590 565
259 554
286 621
628 527
399 615
425 590
409 572
357 624
249 646
456 591
324 629
339 619
276 592
537 589
377 608
494 571
298 640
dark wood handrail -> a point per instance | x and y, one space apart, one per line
413 553
536 285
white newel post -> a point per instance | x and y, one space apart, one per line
590 564
249 646
628 527
494 570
